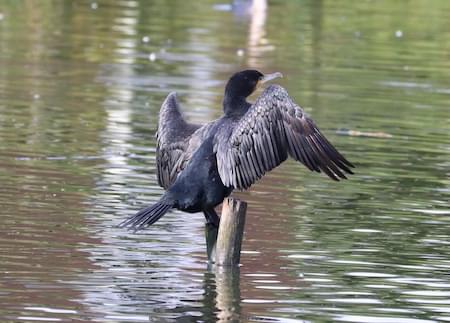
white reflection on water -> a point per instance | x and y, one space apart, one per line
380 319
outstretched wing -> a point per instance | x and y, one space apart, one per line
273 128
172 141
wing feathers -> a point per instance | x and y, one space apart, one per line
273 128
173 141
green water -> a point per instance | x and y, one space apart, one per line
81 83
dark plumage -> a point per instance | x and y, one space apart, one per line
201 165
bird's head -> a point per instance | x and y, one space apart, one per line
243 84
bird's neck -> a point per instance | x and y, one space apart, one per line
235 106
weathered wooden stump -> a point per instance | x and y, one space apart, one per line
224 244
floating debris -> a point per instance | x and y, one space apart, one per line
398 33
152 57
2 16
145 39
240 52
36 96
355 133
94 5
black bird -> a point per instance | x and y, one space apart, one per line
201 165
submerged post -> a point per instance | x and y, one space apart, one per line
231 231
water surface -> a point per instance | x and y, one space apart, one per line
81 83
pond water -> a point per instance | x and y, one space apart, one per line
81 83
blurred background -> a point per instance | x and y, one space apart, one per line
81 83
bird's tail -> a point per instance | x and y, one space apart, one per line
147 216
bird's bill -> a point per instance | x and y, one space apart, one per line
269 77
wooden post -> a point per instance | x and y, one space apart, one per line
231 231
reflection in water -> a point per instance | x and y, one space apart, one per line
228 297
79 97
220 301
255 11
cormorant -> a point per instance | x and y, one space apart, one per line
201 165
